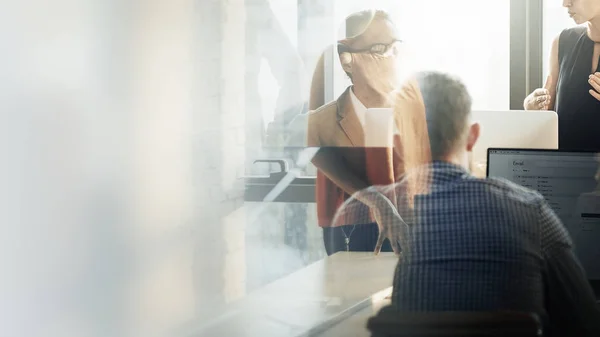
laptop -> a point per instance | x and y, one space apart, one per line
513 129
569 182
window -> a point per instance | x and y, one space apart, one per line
455 37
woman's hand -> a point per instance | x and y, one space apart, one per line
539 99
595 83
388 219
391 227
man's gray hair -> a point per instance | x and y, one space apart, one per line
447 108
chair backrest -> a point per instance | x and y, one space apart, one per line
390 323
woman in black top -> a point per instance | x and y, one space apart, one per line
572 88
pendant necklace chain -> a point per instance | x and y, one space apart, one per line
347 237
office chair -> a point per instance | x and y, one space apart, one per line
390 323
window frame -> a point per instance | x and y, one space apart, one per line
526 50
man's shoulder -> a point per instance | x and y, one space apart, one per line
498 187
505 188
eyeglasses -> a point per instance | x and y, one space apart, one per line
377 49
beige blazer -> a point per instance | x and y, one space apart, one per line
337 125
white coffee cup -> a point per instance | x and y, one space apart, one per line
379 127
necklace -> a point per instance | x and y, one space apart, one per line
347 237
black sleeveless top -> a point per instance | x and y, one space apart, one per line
578 111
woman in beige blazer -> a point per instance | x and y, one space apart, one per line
369 55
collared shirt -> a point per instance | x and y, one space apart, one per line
484 245
359 108
374 126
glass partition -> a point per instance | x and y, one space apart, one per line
145 142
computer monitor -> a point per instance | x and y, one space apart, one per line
513 129
568 181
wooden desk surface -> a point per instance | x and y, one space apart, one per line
311 301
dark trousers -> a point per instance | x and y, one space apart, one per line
363 239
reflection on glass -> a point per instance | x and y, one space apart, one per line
134 130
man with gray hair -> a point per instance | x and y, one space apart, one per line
472 244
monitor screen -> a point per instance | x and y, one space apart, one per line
568 182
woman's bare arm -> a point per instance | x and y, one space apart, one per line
545 98
552 79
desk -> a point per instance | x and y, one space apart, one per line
356 325
347 287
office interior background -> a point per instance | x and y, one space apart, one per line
131 127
